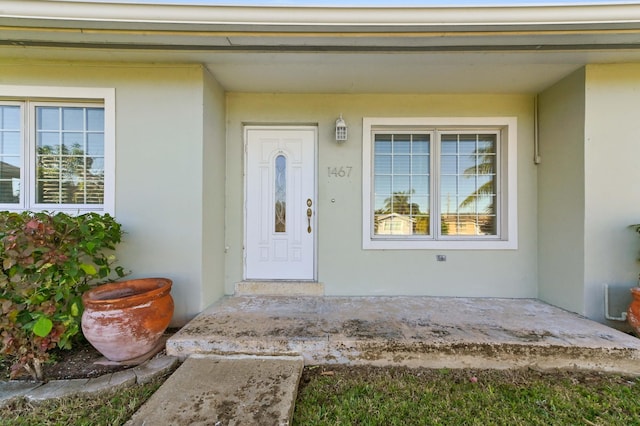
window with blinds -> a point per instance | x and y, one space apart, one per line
432 183
52 155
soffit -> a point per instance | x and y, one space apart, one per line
500 49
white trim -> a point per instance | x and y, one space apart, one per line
66 95
166 15
508 197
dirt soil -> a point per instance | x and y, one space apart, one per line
523 377
77 363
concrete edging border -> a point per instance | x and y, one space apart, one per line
54 389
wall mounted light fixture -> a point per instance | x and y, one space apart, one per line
341 130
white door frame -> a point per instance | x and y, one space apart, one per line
314 218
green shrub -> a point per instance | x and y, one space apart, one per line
48 261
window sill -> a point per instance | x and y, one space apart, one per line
440 245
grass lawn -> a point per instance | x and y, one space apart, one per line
113 408
339 395
333 395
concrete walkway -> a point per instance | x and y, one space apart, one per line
209 390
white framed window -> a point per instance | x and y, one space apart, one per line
57 149
440 183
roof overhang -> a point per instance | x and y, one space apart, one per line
229 39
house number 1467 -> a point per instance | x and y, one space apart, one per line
339 171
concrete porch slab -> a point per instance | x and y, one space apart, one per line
413 331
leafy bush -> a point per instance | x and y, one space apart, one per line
48 261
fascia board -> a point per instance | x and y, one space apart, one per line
103 15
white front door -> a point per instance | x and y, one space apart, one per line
280 203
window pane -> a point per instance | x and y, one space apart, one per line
48 143
486 143
421 226
467 144
448 144
420 164
9 142
402 144
420 185
94 192
66 172
382 164
10 117
449 186
281 194
9 182
95 119
380 202
487 164
48 179
73 180
48 118
72 143
10 191
467 164
401 184
382 144
420 144
449 164
95 144
10 153
421 204
382 185
73 118
95 165
12 163
401 164
468 185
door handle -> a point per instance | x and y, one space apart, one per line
309 213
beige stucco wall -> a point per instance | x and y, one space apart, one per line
343 266
213 163
612 196
561 195
589 143
159 163
179 183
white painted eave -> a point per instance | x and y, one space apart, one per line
514 49
61 14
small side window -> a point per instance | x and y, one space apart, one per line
57 155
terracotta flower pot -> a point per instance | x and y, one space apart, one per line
124 320
633 313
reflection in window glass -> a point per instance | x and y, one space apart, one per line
70 155
468 184
281 194
401 184
10 153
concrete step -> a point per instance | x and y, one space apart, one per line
212 390
279 288
410 331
